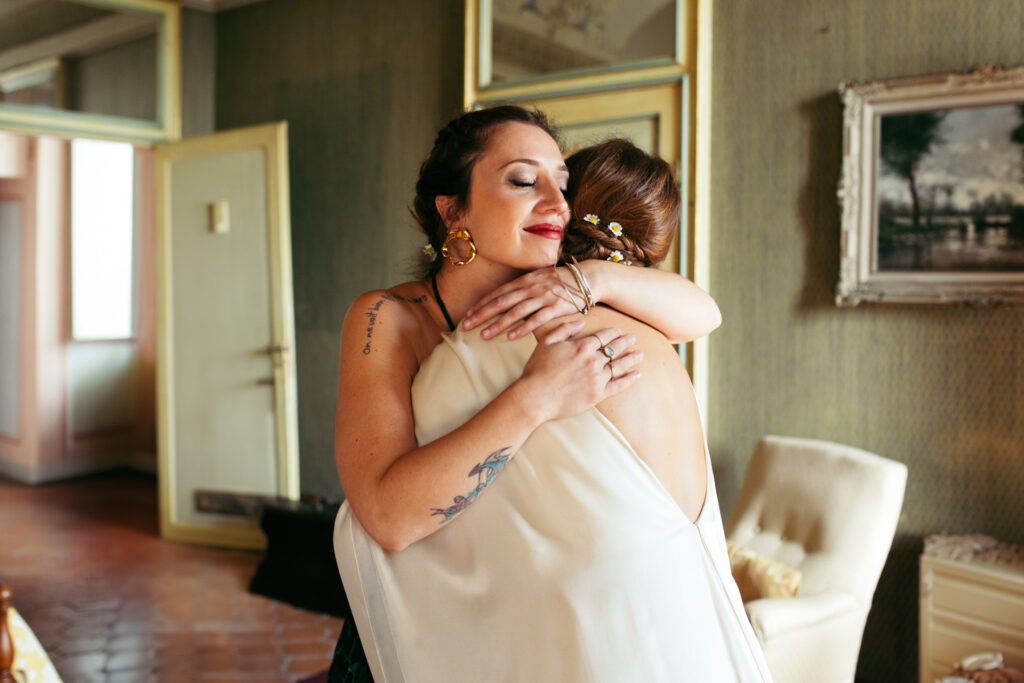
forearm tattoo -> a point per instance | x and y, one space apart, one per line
485 473
372 311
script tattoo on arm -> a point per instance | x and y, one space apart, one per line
372 311
418 300
485 473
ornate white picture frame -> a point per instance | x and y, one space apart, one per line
932 189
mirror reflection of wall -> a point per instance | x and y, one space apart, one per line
641 131
531 38
65 55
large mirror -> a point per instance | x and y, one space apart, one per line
526 40
106 68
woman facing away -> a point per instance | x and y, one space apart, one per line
597 554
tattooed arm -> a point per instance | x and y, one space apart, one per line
401 491
485 472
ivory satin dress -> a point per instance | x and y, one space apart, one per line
574 566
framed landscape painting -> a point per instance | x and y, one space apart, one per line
932 189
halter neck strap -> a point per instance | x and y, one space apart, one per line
440 303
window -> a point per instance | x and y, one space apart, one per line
102 175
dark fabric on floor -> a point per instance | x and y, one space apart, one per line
349 664
298 566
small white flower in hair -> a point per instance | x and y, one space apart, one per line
616 256
615 229
429 251
591 218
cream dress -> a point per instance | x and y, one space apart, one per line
574 566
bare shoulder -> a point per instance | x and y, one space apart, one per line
383 318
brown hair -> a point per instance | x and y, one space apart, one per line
619 182
447 171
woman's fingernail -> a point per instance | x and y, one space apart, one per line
466 323
486 334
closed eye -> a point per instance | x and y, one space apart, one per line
522 183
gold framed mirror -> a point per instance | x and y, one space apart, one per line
522 42
91 68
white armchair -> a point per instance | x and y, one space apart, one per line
829 511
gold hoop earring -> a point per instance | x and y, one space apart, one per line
459 235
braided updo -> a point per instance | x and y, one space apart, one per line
618 182
447 171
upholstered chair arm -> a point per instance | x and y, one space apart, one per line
808 637
771 616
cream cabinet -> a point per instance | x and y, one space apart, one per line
967 608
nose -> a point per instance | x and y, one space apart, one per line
554 200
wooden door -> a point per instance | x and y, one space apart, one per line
227 418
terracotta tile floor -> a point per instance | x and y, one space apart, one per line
111 601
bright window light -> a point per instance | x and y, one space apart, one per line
101 239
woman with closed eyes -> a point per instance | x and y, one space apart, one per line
497 526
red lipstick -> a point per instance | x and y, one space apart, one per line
550 231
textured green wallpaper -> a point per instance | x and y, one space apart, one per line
939 388
364 87
198 53
118 81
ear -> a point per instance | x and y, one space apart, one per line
446 207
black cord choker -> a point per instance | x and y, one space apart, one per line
440 303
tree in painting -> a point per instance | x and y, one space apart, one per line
905 141
1017 134
1017 210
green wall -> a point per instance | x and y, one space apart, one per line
118 81
939 388
364 87
198 54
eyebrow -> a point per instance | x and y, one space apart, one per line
531 162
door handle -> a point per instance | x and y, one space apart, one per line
276 350
266 381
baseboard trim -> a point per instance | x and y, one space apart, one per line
142 462
55 471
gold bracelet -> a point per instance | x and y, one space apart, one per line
568 292
574 268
